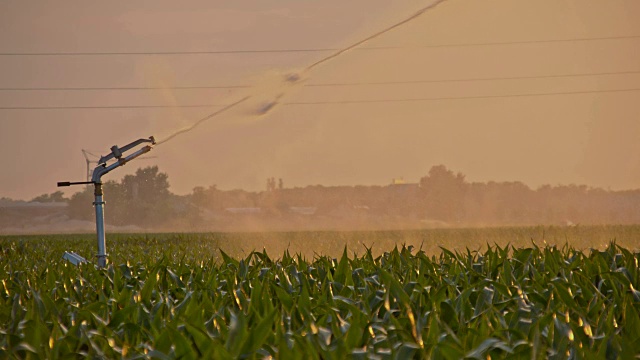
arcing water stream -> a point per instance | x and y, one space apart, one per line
265 97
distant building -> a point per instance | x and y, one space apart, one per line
303 210
401 183
403 188
246 210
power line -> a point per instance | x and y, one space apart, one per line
142 53
518 42
100 88
107 107
228 106
476 79
314 50
551 76
461 97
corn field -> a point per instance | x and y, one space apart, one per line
180 301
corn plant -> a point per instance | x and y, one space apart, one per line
499 303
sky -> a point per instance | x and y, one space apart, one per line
543 92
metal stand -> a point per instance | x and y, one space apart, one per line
102 169
102 246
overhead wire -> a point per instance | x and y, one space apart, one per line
231 105
123 88
107 107
498 43
360 83
495 78
312 50
337 52
178 52
461 97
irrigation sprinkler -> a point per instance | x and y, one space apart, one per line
102 169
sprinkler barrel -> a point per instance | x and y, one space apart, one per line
103 168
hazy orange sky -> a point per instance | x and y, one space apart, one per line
521 107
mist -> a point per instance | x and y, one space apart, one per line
384 116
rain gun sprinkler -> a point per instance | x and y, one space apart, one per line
102 169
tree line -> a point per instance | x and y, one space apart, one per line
442 196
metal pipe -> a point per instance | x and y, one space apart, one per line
99 202
102 169
99 205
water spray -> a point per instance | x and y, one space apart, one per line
103 168
191 127
297 78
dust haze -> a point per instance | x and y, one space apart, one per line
478 86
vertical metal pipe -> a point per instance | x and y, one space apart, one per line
99 205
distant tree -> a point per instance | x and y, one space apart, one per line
148 183
57 196
81 203
443 193
147 199
142 199
206 198
198 194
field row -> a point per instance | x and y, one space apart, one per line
172 299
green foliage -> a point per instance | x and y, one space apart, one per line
169 298
57 196
142 199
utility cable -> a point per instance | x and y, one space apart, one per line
136 53
106 107
392 82
399 82
461 97
516 42
229 106
124 88
313 50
